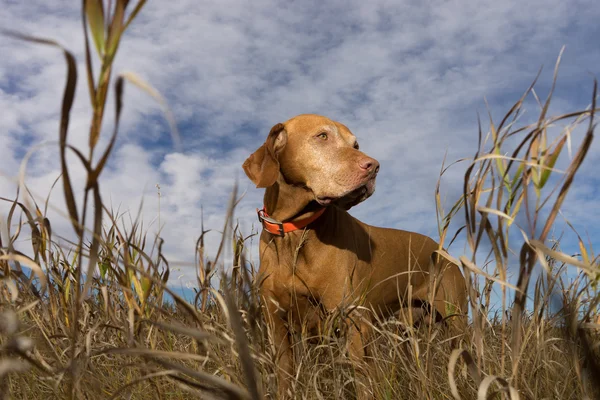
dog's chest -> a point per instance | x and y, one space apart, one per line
307 282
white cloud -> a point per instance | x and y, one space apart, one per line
406 78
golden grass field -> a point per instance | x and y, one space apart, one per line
90 321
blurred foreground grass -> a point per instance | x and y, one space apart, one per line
90 320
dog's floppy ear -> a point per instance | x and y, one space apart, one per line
262 167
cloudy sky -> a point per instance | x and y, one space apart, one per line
408 80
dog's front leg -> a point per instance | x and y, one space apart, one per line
357 339
283 351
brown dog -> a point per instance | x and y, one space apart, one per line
315 257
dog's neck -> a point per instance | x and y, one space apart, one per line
285 202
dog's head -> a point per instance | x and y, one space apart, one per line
318 154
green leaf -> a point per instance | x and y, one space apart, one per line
517 177
516 208
551 161
115 30
103 267
95 16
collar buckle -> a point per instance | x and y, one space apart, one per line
263 217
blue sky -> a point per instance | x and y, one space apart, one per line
407 79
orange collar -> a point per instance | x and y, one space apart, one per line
280 228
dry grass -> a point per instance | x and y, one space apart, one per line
90 321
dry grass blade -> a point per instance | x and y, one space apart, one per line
472 267
243 348
514 111
488 380
88 55
573 168
522 161
67 104
562 257
118 108
158 374
134 13
95 245
489 210
206 378
555 77
234 316
22 174
154 353
37 270
92 183
36 238
146 87
528 256
471 367
177 298
227 225
191 332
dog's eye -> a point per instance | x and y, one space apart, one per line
322 135
356 146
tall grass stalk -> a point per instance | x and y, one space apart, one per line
90 320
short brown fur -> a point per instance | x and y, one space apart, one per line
311 162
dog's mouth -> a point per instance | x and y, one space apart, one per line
352 197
